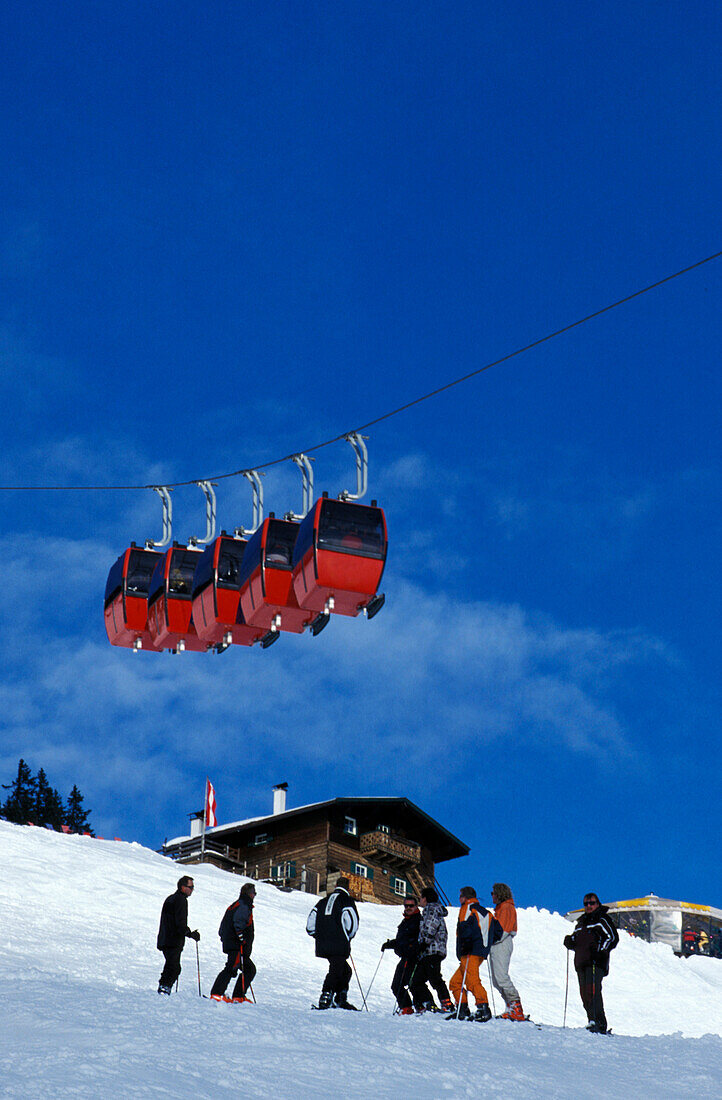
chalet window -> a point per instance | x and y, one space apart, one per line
398 885
260 838
383 829
284 870
349 826
363 871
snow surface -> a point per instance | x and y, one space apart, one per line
80 1016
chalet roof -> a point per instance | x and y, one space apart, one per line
443 843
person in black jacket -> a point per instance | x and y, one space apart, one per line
236 932
333 923
591 941
173 931
406 946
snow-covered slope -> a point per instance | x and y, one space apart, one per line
80 1016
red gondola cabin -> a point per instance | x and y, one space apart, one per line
217 614
170 618
267 596
339 556
126 598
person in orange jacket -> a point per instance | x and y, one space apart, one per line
476 930
500 954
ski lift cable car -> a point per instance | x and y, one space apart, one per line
128 584
340 552
267 595
217 613
170 598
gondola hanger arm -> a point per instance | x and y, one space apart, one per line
164 493
254 477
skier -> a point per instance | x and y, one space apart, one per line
476 930
500 955
432 949
173 932
406 946
236 932
591 941
333 923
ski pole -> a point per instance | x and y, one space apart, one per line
198 964
491 982
566 993
463 984
375 973
250 990
353 964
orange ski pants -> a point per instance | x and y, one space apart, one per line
470 964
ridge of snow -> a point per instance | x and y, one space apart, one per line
80 1016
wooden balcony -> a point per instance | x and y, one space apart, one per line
396 851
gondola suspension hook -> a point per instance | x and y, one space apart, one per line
257 488
164 493
209 493
362 467
304 464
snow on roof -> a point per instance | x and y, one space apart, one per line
248 821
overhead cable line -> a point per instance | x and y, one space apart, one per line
383 416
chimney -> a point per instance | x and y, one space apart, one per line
196 823
279 798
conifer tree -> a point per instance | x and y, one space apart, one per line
19 807
48 804
76 816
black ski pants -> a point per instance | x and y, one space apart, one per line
172 967
590 988
402 976
236 963
428 969
338 977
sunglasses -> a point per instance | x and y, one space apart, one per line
588 903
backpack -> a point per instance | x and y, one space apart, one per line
226 931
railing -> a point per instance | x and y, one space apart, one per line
277 871
395 848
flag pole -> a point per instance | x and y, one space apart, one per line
205 815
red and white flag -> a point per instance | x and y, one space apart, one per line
210 811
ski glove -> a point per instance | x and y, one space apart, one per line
195 935
569 943
389 945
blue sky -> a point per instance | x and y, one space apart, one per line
229 231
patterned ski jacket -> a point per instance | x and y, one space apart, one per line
476 930
593 938
432 930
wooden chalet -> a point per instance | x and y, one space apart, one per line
386 847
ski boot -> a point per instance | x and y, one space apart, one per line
324 1001
482 1014
342 1001
513 1012
460 1013
408 1011
164 989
